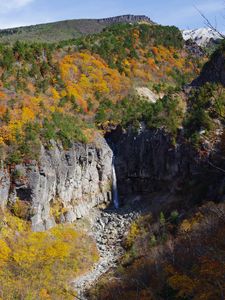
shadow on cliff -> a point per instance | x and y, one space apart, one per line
153 173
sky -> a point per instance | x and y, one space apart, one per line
182 13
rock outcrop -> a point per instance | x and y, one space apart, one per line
126 19
4 186
194 48
78 179
213 70
147 161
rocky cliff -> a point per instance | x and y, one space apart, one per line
126 19
148 161
213 70
194 48
78 179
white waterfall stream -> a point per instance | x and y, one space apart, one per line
114 187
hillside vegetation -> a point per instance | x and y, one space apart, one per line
66 91
171 256
40 265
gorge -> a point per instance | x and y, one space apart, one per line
111 183
112 140
87 176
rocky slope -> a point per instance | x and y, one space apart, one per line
77 179
108 229
194 49
213 70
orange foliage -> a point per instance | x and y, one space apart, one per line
85 75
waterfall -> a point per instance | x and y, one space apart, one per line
114 187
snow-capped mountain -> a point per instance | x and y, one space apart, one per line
202 36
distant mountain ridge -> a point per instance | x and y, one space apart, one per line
201 36
65 30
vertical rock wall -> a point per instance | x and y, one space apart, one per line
147 161
78 179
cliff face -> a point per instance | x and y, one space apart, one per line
148 162
126 19
214 70
194 48
78 179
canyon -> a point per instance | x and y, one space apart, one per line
111 152
110 183
83 177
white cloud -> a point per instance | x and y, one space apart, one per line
7 5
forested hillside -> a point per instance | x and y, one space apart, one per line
68 90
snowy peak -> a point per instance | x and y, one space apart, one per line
201 36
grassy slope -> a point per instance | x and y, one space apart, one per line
52 32
56 31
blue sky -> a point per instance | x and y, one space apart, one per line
181 13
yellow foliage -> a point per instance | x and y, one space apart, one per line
44 295
188 225
21 209
1 140
13 224
183 283
40 265
63 93
133 233
90 76
4 252
27 115
55 94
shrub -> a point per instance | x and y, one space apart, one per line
21 209
41 265
205 105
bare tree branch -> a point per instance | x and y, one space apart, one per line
214 166
209 24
